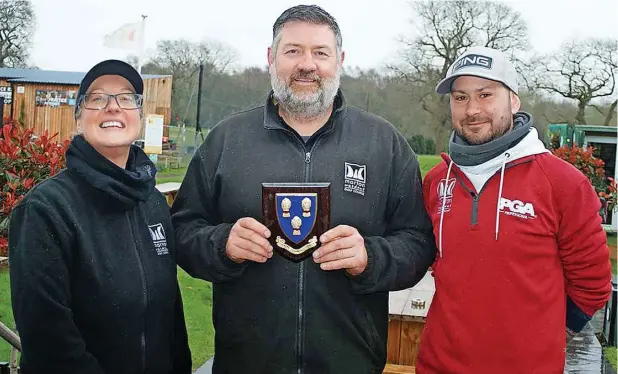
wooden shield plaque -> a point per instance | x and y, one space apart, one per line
296 215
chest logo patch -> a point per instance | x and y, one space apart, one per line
157 233
355 178
445 194
517 208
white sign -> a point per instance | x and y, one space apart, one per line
21 89
5 91
153 138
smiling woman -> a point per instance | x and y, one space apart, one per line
111 126
93 275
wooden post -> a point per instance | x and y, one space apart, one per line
407 312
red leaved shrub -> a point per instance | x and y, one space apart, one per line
594 169
25 160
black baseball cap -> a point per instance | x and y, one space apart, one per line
110 67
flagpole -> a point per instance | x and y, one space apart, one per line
142 44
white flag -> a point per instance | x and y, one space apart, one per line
128 36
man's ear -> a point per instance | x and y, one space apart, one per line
515 102
269 56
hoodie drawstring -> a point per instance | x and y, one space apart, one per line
507 155
448 174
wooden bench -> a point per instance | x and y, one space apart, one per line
407 312
169 190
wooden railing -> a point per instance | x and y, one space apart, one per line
10 337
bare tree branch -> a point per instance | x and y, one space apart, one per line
610 113
598 109
581 71
17 22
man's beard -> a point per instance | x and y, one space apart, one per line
305 105
503 127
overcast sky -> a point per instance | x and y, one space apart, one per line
69 33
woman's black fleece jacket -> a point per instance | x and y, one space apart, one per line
93 271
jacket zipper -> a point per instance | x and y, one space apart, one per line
301 271
144 292
475 209
301 274
477 196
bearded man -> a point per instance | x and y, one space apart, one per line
329 312
523 262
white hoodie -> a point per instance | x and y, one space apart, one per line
479 174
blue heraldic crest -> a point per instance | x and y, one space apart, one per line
296 214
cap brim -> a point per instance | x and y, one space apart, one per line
115 67
444 87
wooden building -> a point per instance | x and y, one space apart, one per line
45 99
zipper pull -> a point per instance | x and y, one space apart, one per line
308 157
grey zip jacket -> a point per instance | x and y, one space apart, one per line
288 317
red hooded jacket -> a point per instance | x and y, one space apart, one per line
516 263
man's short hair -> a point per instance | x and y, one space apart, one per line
309 14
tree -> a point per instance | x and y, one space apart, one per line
445 30
182 59
610 113
417 143
132 60
16 29
582 71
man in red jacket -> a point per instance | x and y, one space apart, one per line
521 249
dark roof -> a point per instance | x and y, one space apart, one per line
585 128
51 76
13 72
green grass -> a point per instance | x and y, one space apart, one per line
427 162
197 300
610 353
171 175
6 313
176 175
611 239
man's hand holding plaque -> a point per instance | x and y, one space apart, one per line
342 248
248 240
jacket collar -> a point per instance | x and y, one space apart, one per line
126 187
273 121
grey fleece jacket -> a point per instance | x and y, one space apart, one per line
287 317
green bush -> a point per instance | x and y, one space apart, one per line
430 147
417 143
